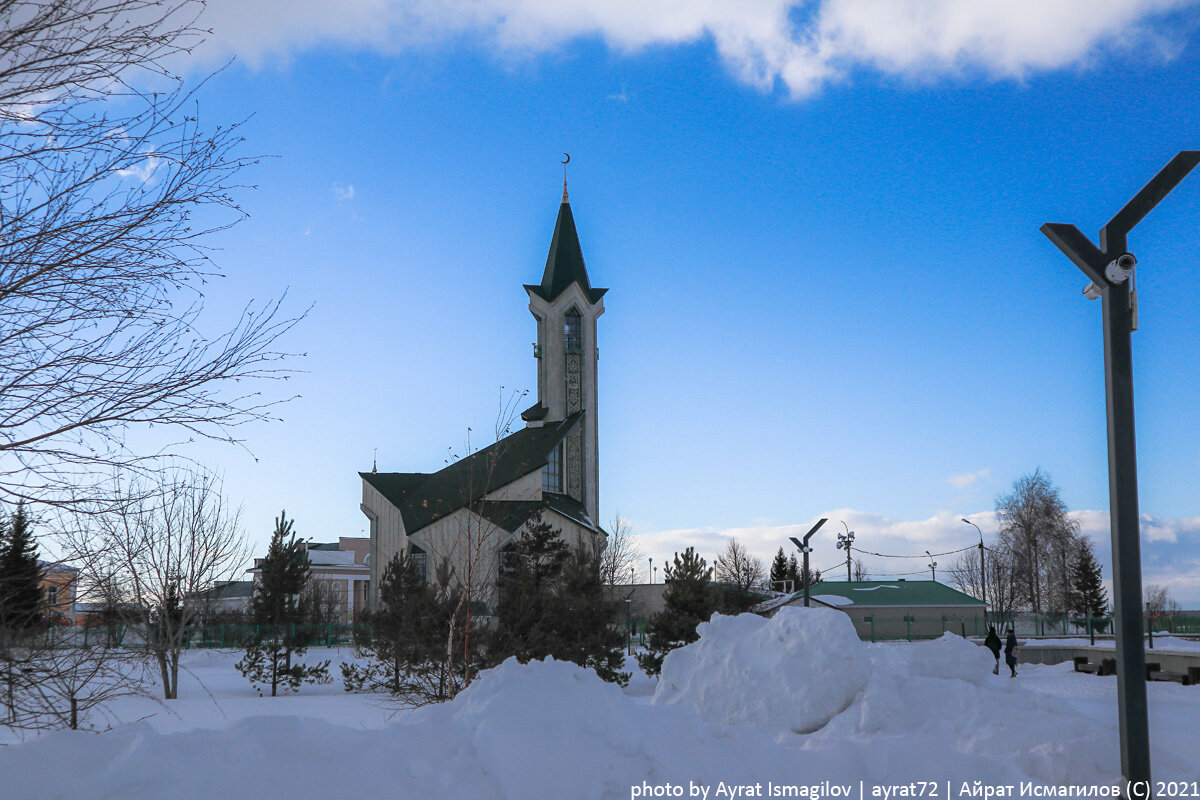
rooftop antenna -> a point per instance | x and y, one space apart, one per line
374 460
566 160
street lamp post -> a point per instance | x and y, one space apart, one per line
932 565
1109 266
651 571
982 569
845 542
805 549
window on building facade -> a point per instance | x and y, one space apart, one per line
573 330
51 595
552 472
419 560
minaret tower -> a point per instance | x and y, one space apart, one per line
566 308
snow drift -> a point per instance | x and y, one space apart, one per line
794 671
726 710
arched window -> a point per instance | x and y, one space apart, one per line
552 472
573 331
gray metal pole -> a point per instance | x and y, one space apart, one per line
1119 313
1126 539
804 577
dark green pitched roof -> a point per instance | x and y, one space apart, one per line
564 264
423 498
570 508
895 593
535 412
512 514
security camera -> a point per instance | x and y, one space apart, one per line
1092 291
1120 268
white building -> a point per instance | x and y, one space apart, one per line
458 519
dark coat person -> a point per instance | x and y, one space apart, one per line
992 642
1010 652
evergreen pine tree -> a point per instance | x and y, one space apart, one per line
405 645
530 572
553 603
793 572
22 605
275 610
689 600
779 571
581 619
1087 586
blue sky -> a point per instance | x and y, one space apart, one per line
819 225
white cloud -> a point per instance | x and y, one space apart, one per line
343 192
967 479
143 171
799 44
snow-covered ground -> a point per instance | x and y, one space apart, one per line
1162 641
788 702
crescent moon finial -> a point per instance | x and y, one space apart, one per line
564 162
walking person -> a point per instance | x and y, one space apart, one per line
1010 651
992 642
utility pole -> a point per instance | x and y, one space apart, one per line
845 542
1109 266
805 549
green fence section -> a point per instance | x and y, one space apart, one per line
327 635
1176 622
914 627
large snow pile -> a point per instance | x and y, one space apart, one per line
922 711
794 671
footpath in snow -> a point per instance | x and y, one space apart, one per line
795 704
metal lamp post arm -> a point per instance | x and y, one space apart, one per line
804 548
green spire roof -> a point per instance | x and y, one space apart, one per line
564 264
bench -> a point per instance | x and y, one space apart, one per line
1082 665
1155 672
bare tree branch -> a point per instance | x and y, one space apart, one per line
107 199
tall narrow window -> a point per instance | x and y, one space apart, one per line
573 330
416 557
552 473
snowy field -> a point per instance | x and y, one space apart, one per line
781 704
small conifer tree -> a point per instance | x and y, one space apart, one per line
22 605
553 603
1088 592
689 600
529 573
405 648
779 571
582 619
275 610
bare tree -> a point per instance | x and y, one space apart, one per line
66 683
1037 538
860 569
165 543
467 567
740 575
102 262
621 554
1158 600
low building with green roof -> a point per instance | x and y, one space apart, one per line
899 608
